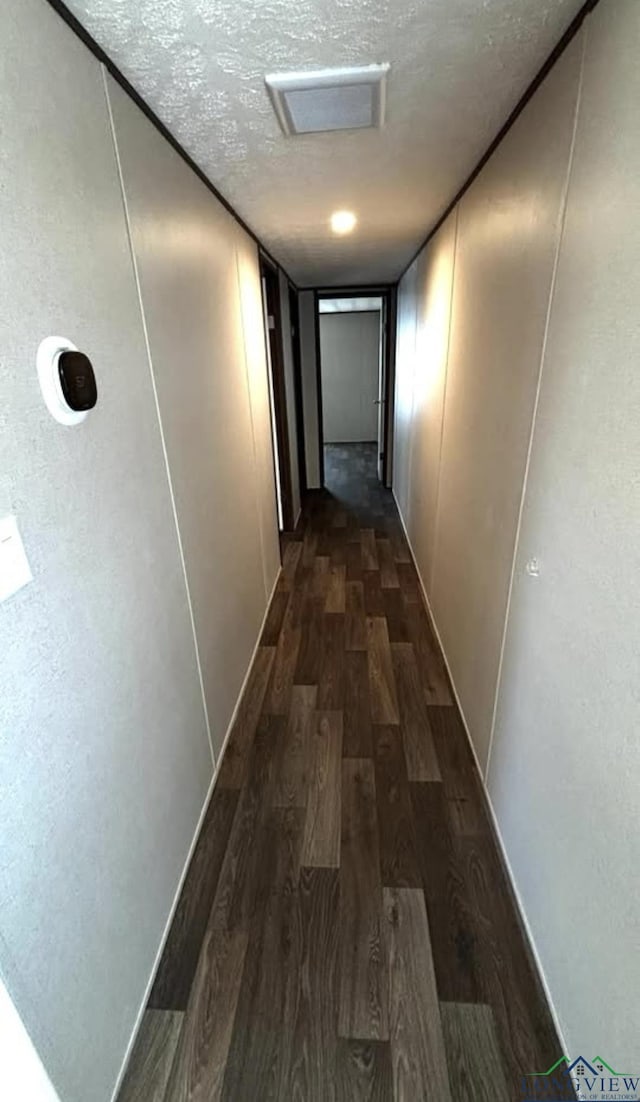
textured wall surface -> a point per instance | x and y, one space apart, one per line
350 367
565 764
253 333
103 726
105 759
508 232
194 296
434 283
458 68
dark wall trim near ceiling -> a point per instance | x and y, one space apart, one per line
352 290
76 26
554 56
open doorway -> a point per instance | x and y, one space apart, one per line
353 382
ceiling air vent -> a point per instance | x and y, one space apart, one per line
329 99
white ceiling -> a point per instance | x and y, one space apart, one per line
458 67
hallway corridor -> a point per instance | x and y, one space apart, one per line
346 930
315 790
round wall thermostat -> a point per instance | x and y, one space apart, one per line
67 380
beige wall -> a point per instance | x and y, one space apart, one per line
565 765
564 768
198 280
434 285
508 234
260 476
472 315
105 760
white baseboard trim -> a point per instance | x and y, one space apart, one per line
494 819
246 678
194 842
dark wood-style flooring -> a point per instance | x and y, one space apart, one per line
346 929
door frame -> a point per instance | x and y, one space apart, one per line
272 312
387 346
296 349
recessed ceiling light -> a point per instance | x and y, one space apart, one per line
329 99
343 221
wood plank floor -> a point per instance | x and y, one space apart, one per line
346 929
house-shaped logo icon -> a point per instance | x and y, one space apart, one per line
581 1067
591 1080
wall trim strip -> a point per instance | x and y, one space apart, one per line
147 342
351 290
534 416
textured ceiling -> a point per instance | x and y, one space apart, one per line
458 67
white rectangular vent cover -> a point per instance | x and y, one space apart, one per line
329 99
